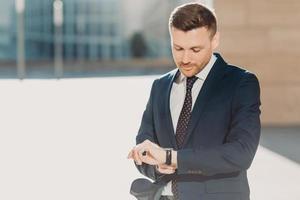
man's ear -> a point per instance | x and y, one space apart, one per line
215 40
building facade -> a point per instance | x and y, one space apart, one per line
263 37
6 47
92 29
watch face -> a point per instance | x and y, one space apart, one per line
168 156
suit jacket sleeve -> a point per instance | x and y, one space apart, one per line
239 148
147 131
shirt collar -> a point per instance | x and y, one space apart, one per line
203 73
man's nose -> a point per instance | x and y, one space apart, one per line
185 58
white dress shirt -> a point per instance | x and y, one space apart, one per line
177 97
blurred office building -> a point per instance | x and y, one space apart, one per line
6 47
92 29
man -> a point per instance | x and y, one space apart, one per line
201 126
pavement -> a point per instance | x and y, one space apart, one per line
68 140
275 171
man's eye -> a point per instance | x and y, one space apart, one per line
196 50
178 49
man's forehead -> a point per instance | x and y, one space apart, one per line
187 41
194 37
194 33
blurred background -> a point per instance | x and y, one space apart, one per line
58 39
75 76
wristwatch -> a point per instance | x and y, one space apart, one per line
168 156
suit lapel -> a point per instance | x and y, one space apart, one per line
208 88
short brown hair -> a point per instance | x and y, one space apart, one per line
193 15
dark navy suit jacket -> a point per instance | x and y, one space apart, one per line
222 136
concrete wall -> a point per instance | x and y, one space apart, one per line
264 37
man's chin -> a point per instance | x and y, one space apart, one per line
188 73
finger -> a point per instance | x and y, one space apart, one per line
130 155
149 160
168 171
136 157
143 153
164 166
152 144
138 152
165 170
142 149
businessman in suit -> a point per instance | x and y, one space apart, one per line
201 125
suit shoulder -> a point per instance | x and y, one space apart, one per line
240 73
167 76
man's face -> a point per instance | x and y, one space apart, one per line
193 49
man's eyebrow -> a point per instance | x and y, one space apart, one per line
197 47
176 45
194 47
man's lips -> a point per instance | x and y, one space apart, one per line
186 67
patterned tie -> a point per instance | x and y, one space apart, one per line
183 121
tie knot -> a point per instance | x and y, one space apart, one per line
190 82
